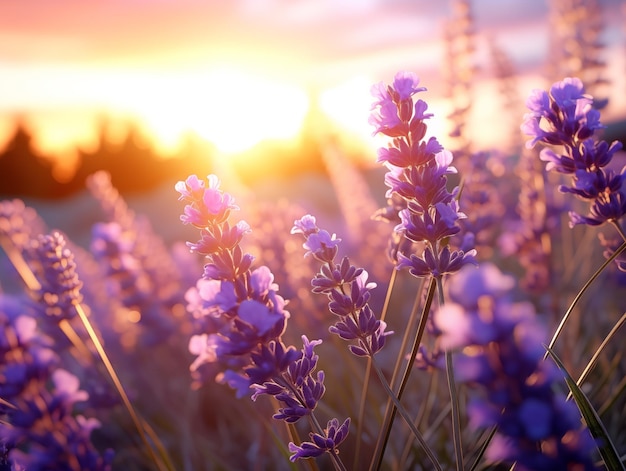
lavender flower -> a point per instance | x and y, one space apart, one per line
347 289
565 117
242 309
39 428
500 357
60 286
417 172
245 316
327 442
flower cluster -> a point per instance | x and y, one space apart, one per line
500 357
238 309
60 287
38 426
243 319
347 289
294 385
565 117
417 172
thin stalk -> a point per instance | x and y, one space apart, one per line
407 418
619 229
582 291
596 355
390 412
366 378
454 397
16 259
84 355
117 383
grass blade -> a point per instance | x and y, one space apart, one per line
596 427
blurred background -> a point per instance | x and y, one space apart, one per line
153 90
273 96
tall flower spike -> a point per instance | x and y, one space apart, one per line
347 289
417 172
238 310
60 286
242 317
565 117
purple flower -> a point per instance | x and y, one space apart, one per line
334 434
237 309
319 243
570 121
499 356
60 286
417 173
348 293
207 204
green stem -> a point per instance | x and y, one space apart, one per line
454 397
390 412
407 418
565 317
366 378
596 355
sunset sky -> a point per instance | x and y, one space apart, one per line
238 71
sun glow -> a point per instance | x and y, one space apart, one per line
231 109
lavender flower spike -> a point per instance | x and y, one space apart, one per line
500 348
347 289
564 117
334 434
60 286
428 212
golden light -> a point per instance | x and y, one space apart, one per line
232 109
348 106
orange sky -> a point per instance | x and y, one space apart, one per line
219 68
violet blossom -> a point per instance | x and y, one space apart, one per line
565 117
417 172
500 352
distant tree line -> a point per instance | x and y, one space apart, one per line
135 166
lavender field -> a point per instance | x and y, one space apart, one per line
444 309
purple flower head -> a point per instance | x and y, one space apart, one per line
334 435
271 361
60 286
405 85
608 207
207 204
387 121
262 282
402 156
306 225
218 237
290 377
565 116
500 349
567 93
394 113
444 263
259 316
191 189
322 245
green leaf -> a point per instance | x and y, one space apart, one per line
596 427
